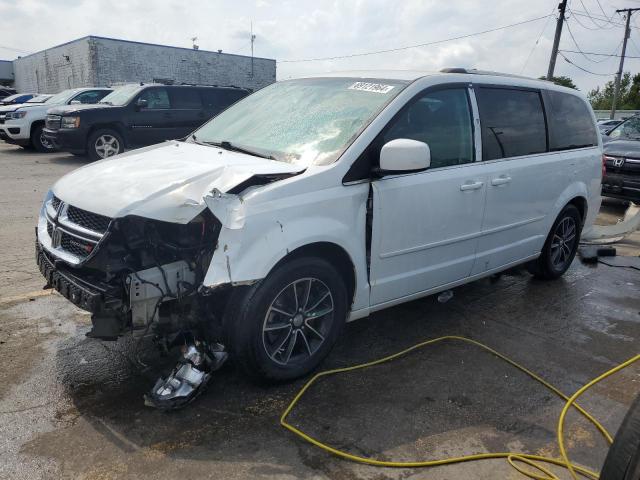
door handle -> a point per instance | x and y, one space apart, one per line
471 186
502 180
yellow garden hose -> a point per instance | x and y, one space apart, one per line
516 460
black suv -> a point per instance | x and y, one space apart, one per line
622 161
136 115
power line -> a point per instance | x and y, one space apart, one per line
582 13
4 47
581 51
538 40
407 47
584 69
599 53
591 17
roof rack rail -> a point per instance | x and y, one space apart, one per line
474 71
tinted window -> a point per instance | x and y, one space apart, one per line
91 96
441 119
512 122
219 99
157 98
570 122
187 98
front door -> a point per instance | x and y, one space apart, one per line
153 122
426 225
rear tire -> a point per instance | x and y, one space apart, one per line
623 459
561 246
282 327
104 143
39 143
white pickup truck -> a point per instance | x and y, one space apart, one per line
23 125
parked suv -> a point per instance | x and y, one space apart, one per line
317 201
24 126
136 115
622 161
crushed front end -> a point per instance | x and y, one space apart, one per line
135 275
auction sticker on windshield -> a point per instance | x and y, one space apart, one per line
371 87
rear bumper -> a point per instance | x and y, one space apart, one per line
74 141
625 187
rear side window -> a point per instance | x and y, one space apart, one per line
441 119
185 98
512 122
219 99
570 122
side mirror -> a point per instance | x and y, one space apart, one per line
404 155
141 103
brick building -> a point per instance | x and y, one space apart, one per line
99 61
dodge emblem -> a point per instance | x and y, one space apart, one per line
56 237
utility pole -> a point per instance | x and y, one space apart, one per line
556 40
627 32
253 39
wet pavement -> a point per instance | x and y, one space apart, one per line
72 407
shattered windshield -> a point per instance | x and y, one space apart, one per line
627 129
305 122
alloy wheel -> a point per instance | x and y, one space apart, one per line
298 321
563 242
45 142
107 146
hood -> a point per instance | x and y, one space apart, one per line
622 148
164 182
15 106
67 109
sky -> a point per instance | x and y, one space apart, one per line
308 29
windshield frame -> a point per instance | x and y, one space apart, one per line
399 84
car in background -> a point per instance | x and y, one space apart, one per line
607 125
17 98
7 109
621 159
136 115
6 91
24 125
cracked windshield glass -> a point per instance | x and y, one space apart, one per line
304 122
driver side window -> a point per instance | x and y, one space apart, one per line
157 98
441 119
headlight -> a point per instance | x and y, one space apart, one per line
15 115
70 122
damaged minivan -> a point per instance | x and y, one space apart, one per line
317 201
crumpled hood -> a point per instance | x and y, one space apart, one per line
622 148
163 182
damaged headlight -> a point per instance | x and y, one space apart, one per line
70 122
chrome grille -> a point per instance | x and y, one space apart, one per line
52 122
91 221
79 247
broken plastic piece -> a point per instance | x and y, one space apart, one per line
188 378
445 296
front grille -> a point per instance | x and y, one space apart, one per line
52 122
76 246
91 221
55 203
49 228
2 117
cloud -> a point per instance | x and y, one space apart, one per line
288 29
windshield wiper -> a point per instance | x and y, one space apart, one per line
236 148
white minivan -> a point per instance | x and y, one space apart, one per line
317 201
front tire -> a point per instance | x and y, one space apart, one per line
561 246
104 143
623 459
39 142
284 326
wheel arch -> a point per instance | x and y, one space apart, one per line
337 256
117 126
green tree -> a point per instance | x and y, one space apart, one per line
602 98
562 80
